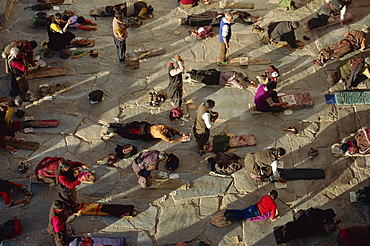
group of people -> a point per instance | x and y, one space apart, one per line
261 165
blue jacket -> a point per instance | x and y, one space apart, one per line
222 24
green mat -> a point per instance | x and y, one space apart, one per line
352 97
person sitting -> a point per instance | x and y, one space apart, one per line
214 77
359 145
139 8
7 186
6 110
59 36
353 40
283 31
266 98
25 47
265 205
80 23
58 217
331 7
146 131
263 164
271 74
146 162
353 71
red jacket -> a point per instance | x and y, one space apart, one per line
265 205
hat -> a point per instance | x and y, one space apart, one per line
367 60
95 96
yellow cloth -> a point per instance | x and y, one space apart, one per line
142 13
121 32
8 114
366 72
160 131
55 27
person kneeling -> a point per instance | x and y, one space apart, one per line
266 98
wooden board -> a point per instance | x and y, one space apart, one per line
22 145
168 184
231 5
245 61
43 72
220 221
332 21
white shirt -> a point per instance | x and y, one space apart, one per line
177 70
207 120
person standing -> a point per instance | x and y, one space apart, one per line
59 36
203 124
225 35
175 87
67 182
58 216
19 82
120 35
262 207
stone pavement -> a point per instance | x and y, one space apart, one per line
167 217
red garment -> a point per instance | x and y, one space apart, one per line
267 204
5 196
65 181
187 2
346 237
58 224
19 65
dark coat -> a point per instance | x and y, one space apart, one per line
282 31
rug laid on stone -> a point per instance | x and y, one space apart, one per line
116 210
297 100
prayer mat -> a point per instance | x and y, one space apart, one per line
113 241
232 5
297 100
116 210
43 72
301 173
332 21
18 125
285 45
169 184
22 145
245 61
236 141
220 221
352 97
